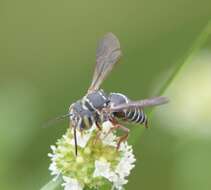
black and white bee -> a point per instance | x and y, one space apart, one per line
97 106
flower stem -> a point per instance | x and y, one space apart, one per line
53 185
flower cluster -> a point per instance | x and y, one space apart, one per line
98 162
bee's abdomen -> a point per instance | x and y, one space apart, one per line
136 115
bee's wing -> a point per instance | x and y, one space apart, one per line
140 104
107 54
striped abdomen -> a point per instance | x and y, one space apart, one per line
136 115
132 115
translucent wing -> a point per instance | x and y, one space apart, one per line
107 54
140 104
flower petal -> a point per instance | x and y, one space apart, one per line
71 184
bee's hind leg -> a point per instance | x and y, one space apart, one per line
123 128
123 137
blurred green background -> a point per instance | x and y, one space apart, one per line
47 55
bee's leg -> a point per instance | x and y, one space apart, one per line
98 126
119 126
97 137
123 137
98 133
114 122
110 130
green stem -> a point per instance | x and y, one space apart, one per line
187 58
53 185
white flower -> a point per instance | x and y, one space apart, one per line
54 171
107 137
83 138
53 168
102 168
127 162
98 162
122 170
118 182
71 184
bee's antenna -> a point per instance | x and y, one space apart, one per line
56 119
75 139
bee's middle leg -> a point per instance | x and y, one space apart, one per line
98 133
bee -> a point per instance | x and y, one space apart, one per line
97 106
